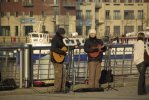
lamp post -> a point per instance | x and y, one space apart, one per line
54 22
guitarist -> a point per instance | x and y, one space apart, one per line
57 52
94 48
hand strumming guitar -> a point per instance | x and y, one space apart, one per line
98 48
63 53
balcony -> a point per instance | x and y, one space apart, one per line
129 17
69 4
98 5
54 5
108 18
117 17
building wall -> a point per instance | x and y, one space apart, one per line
66 16
122 22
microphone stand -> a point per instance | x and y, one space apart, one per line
108 65
70 63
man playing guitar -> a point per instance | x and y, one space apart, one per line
94 48
58 52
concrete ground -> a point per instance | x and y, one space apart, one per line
127 91
123 93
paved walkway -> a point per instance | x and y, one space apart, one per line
127 90
123 93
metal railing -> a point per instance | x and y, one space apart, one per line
25 63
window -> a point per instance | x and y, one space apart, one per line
140 14
31 13
128 14
30 2
140 28
1 14
56 11
79 30
23 13
88 14
128 29
117 15
27 2
55 1
43 0
7 0
28 29
107 14
43 28
15 0
139 1
116 1
16 31
130 1
43 13
5 31
117 30
79 14
8 14
80 1
107 30
87 29
79 22
16 14
107 1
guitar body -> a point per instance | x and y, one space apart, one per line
58 57
95 54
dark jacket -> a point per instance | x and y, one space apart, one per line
89 43
56 45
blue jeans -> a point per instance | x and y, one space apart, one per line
141 81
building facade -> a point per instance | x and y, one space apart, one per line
19 17
108 17
117 17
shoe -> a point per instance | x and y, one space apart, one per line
142 93
101 89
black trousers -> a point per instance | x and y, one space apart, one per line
141 81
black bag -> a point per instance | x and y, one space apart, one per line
103 76
106 76
146 58
8 84
89 90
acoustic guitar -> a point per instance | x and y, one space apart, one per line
95 54
58 57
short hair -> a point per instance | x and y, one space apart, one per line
141 36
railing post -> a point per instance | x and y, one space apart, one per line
28 66
21 67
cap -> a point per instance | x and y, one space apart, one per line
92 31
60 31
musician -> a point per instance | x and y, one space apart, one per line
139 49
94 46
56 48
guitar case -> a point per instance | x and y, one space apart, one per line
90 90
106 76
